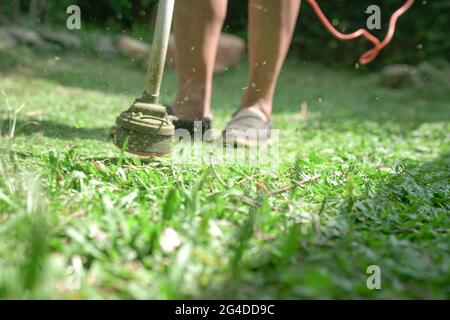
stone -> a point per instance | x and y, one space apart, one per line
64 39
133 48
106 47
434 71
7 41
229 52
398 76
26 36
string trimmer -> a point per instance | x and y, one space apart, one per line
145 128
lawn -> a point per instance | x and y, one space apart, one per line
80 219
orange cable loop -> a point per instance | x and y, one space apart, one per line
371 54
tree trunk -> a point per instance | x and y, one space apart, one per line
38 11
16 11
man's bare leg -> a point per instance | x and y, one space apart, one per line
197 27
271 25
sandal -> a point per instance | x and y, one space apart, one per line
190 125
247 128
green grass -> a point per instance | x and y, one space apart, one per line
73 205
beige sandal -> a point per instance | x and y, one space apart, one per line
247 128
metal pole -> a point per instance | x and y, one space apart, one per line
158 52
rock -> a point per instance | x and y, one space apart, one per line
133 48
26 36
441 63
64 39
6 40
399 76
105 47
229 51
435 71
428 71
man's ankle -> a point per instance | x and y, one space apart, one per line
189 112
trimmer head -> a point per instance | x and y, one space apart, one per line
145 129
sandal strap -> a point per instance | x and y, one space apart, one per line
247 119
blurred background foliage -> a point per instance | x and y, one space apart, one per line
421 33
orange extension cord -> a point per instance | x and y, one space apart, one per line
370 55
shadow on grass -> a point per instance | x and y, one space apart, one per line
54 130
83 71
